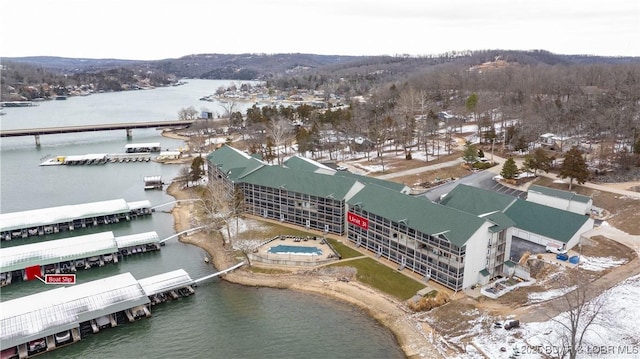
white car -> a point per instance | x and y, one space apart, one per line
555 249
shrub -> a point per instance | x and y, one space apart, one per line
429 302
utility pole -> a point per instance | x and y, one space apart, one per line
493 140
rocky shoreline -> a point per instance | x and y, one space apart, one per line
412 335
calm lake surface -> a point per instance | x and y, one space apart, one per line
221 320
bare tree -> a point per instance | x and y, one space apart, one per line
228 106
278 129
186 114
185 174
215 210
581 309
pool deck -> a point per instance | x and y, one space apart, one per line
263 255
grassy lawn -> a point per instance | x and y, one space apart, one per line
345 252
383 278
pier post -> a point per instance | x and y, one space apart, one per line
37 140
129 133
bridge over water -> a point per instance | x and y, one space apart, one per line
128 126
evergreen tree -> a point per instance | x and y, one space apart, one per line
196 169
470 154
574 167
509 169
538 160
471 104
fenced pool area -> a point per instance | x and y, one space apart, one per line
294 251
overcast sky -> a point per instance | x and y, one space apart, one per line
158 29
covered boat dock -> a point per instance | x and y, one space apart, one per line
152 182
55 219
48 320
167 286
71 254
142 147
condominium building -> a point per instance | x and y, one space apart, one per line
462 241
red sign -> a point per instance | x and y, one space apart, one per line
60 279
357 220
33 272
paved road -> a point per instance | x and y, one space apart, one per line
414 171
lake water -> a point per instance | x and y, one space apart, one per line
221 320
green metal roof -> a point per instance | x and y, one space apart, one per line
552 192
305 164
315 184
235 163
484 273
399 187
545 221
424 216
510 263
476 200
500 219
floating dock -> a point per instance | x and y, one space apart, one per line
69 255
56 219
96 159
142 147
152 182
48 320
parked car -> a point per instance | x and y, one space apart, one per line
509 324
62 337
555 249
562 256
36 345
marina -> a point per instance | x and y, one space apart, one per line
221 317
134 152
51 319
50 220
69 255
96 159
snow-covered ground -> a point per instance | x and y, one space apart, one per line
549 294
597 264
614 334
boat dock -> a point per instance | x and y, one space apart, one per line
62 218
48 320
142 147
152 182
97 159
68 255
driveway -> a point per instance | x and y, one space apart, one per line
483 179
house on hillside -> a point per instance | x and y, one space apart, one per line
557 143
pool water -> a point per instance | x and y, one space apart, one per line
284 249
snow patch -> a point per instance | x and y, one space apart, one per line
598 264
549 294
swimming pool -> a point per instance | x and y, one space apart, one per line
305 251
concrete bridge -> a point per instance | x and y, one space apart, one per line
128 126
